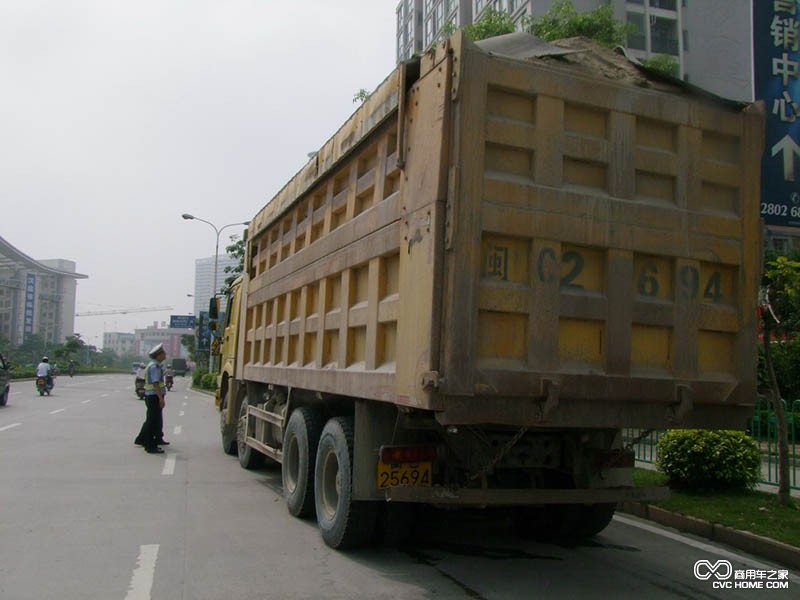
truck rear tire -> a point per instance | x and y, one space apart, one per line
248 457
593 518
299 453
228 432
564 521
343 522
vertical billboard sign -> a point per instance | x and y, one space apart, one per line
30 298
776 61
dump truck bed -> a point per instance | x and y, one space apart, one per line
518 241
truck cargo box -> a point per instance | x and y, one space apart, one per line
519 234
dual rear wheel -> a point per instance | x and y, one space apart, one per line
317 478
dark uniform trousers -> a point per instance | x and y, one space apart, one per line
150 434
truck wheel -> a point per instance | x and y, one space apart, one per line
299 451
248 457
593 518
547 523
227 431
342 522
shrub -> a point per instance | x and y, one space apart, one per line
197 376
704 459
209 381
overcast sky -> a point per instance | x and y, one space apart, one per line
118 116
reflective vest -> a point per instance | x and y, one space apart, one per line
148 385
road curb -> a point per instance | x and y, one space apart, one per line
781 553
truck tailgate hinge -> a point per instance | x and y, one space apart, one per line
430 380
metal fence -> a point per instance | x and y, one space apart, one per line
762 427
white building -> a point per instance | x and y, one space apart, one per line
204 279
119 343
36 297
711 40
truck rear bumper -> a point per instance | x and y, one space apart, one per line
478 497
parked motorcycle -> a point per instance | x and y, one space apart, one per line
43 386
139 388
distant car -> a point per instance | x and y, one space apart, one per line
5 381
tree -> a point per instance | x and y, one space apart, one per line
188 342
491 24
73 347
780 312
235 250
563 21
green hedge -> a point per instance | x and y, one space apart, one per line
703 459
18 372
204 380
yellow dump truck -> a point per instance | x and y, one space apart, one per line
508 253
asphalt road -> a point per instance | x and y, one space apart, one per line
85 514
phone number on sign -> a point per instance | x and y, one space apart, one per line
779 210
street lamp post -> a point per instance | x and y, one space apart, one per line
189 217
217 230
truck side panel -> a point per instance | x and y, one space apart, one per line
323 294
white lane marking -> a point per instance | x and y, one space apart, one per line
169 466
699 545
183 412
58 410
104 395
184 404
177 430
142 578
11 426
86 401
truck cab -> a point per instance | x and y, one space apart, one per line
225 351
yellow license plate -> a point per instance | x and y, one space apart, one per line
402 475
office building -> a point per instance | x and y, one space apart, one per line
160 333
37 297
709 39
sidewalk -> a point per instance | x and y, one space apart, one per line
781 553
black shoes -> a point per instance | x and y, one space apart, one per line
162 442
154 450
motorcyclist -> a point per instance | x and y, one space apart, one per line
140 370
45 369
169 376
71 368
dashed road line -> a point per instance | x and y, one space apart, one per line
56 411
142 578
169 466
177 430
184 404
10 426
183 412
86 401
